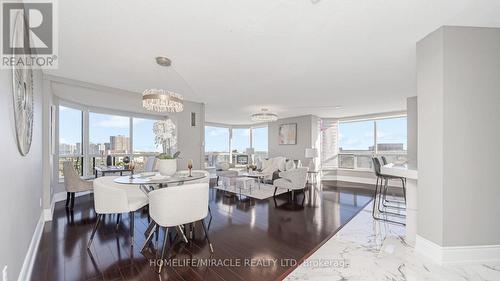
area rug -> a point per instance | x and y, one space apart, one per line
266 191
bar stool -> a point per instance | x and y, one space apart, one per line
384 179
403 181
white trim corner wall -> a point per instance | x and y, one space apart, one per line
48 213
29 259
456 255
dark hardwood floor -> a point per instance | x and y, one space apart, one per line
241 230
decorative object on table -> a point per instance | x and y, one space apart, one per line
287 134
190 167
160 100
22 89
264 116
126 161
109 160
165 136
312 153
167 164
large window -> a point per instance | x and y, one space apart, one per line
259 142
391 135
144 141
359 141
108 134
356 136
216 145
144 137
105 134
220 147
240 141
70 138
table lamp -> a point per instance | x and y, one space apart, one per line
250 152
312 153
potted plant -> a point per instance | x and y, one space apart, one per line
167 163
165 137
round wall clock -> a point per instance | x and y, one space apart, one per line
22 90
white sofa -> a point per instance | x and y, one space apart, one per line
272 166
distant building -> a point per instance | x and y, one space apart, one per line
388 147
67 149
119 144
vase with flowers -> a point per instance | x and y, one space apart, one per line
165 136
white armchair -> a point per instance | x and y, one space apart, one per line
113 198
294 179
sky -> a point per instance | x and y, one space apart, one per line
359 135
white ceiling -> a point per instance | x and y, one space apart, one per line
293 57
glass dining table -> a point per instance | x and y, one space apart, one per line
155 179
150 181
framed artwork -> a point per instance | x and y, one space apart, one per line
287 134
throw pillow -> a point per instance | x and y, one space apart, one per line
290 165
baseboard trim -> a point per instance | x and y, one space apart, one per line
348 179
61 196
453 255
29 259
48 213
356 179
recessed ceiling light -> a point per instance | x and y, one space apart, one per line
163 61
338 107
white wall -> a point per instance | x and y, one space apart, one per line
430 136
412 131
190 139
305 125
21 180
459 135
471 136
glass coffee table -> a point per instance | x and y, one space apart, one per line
256 175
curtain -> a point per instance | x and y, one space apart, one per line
329 146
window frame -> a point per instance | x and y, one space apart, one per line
372 153
86 156
233 127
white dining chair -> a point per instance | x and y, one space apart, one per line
205 179
175 206
114 198
150 165
73 183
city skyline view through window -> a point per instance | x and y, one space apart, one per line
70 131
108 134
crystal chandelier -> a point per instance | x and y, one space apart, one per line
264 116
160 100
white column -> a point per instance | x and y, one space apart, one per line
411 210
